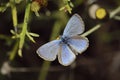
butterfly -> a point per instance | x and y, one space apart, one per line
68 46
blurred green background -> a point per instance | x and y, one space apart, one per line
101 61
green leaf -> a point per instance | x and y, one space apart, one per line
30 37
12 31
34 34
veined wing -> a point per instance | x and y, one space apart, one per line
49 50
74 26
66 56
79 44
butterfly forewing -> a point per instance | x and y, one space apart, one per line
74 26
66 56
78 44
49 51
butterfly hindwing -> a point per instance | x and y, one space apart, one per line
78 43
66 56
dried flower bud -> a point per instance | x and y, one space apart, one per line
35 6
41 2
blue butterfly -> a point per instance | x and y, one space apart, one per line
68 46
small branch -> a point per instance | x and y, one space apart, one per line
4 37
114 12
44 70
14 14
24 28
14 51
117 18
91 30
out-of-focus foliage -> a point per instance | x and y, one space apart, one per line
21 22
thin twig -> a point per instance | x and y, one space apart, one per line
24 28
14 14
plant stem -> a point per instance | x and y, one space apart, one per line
24 28
91 30
114 12
117 18
14 14
44 70
14 51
